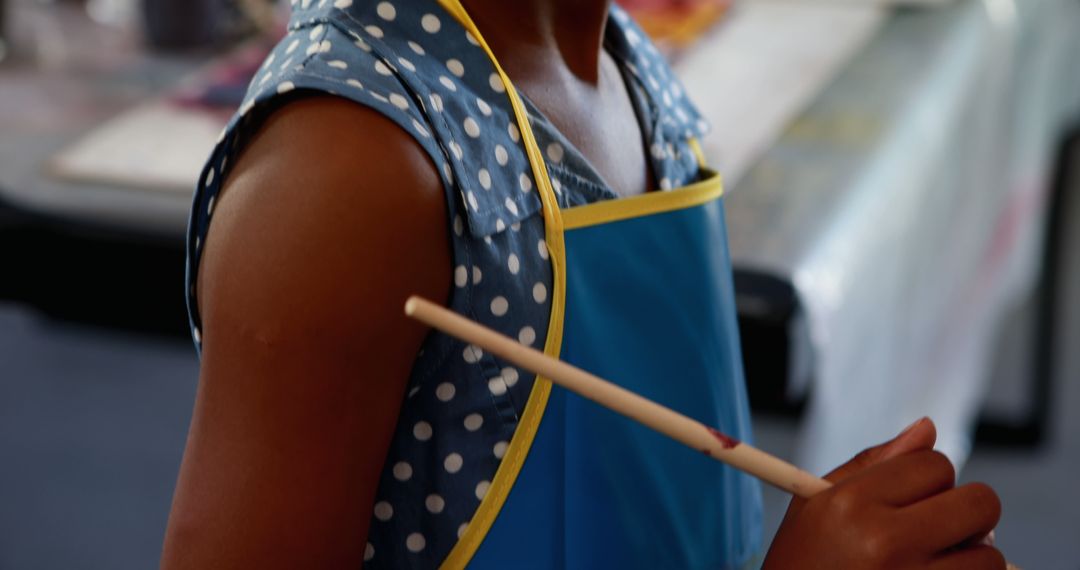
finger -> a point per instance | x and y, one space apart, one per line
972 558
906 479
956 516
988 540
920 435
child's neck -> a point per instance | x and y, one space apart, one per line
530 36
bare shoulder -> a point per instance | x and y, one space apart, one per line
331 217
337 203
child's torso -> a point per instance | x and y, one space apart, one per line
412 61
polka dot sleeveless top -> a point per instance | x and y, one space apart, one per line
413 62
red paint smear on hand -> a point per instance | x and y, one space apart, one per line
726 441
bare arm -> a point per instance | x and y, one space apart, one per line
330 219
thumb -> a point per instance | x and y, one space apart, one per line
920 435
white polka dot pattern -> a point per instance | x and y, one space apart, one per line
555 152
453 463
402 471
472 354
445 392
473 422
431 23
540 292
456 67
497 386
386 11
499 306
415 542
434 504
510 376
422 431
413 63
383 511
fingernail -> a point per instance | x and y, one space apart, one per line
913 425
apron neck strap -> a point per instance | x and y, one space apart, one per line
552 215
492 503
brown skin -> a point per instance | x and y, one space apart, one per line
552 50
305 350
893 507
306 354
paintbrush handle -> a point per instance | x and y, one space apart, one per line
683 429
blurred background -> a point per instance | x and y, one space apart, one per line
902 178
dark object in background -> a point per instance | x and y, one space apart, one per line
3 26
775 343
182 24
83 272
200 24
1051 298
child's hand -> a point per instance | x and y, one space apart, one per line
893 506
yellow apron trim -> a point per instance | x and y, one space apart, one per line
645 204
529 423
695 146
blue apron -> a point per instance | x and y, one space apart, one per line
642 297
